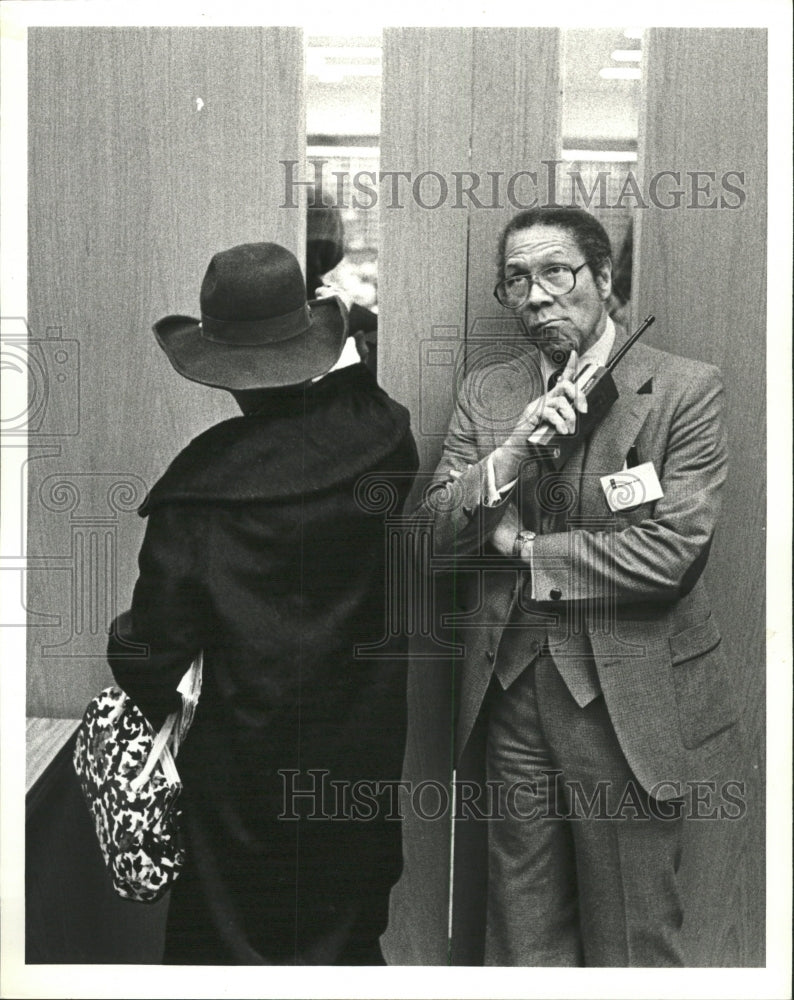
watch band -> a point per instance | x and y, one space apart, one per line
521 539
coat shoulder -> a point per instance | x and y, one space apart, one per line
332 438
668 374
675 366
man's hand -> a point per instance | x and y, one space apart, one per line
557 407
504 536
326 291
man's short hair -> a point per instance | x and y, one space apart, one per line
590 235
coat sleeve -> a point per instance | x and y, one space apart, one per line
152 645
662 556
455 500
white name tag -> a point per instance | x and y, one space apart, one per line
632 487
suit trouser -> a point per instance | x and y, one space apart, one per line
582 866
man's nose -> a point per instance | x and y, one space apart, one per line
537 295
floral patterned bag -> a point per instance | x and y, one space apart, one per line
132 787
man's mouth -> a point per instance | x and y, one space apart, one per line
549 326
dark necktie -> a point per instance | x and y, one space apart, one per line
554 378
549 520
532 515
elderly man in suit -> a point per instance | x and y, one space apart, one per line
591 657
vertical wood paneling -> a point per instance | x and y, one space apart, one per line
426 118
149 150
473 102
516 125
425 122
702 271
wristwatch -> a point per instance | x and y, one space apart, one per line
522 538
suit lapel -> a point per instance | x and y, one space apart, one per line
511 387
608 446
500 398
604 453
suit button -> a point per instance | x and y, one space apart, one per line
490 655
555 593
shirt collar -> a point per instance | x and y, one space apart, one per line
349 356
597 354
602 348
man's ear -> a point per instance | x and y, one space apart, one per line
603 280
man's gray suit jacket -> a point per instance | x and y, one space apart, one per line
623 588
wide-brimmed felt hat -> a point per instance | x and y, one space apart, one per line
257 329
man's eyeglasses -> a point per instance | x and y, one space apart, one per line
555 279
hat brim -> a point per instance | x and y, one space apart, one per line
256 366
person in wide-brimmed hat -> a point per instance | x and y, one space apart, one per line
260 551
256 329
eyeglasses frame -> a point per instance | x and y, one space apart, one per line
534 279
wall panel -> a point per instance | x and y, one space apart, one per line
451 104
516 126
426 115
425 123
149 150
702 271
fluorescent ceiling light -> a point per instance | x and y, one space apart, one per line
626 55
600 155
330 65
336 73
359 53
620 73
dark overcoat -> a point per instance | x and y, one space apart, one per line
265 550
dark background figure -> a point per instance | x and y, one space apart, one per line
325 250
620 300
260 551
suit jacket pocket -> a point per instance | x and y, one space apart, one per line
702 686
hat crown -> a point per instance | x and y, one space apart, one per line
253 281
257 330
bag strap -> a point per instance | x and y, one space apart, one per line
158 747
190 690
176 725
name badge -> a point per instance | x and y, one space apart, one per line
632 487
